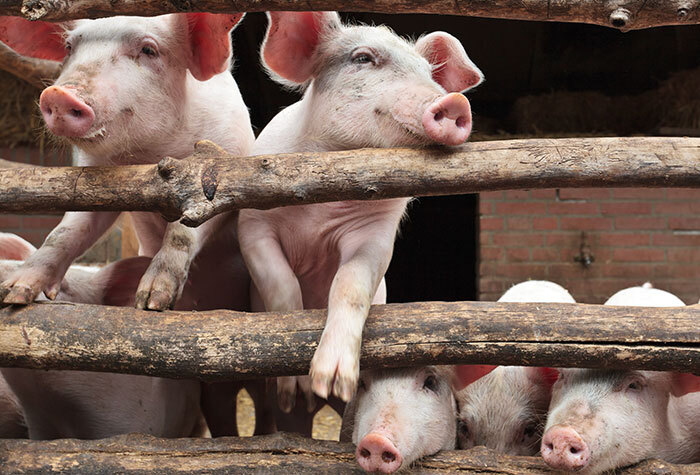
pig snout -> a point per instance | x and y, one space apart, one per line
65 113
448 120
563 448
376 453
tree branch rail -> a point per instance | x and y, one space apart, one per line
211 181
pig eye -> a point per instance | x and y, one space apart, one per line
529 431
635 386
463 429
430 383
363 56
149 51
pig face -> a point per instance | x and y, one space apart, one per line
118 71
600 420
505 410
402 415
367 87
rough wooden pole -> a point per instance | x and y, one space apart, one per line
211 181
223 344
37 72
278 453
622 14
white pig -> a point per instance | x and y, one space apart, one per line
90 405
603 419
132 90
506 409
364 87
401 415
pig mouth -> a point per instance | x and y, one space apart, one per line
98 134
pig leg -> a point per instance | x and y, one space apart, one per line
44 270
335 366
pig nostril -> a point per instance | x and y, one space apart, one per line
461 122
573 450
76 112
438 117
388 457
549 446
365 453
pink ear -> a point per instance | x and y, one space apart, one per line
291 41
452 68
121 279
13 247
684 383
543 375
466 374
209 37
38 39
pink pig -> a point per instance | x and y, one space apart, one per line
132 90
364 87
600 420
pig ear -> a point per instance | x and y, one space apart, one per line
684 383
452 68
209 39
14 248
38 39
121 279
291 41
543 376
466 374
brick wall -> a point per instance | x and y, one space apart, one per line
635 235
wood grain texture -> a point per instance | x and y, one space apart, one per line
211 181
622 14
278 453
37 72
223 344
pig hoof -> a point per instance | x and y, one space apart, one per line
21 295
339 379
286 393
160 301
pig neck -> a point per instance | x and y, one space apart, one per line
684 430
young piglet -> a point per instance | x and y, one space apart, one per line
90 405
600 420
401 415
506 409
364 87
131 91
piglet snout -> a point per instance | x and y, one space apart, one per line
563 448
65 113
376 453
448 120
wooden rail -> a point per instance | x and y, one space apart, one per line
234 345
622 14
278 453
212 181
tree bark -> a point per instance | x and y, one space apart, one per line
622 14
225 345
37 72
278 453
211 181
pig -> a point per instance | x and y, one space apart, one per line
363 87
89 405
132 90
600 420
12 423
400 415
506 409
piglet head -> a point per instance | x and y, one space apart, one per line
123 80
367 87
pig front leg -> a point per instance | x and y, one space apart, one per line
335 367
43 271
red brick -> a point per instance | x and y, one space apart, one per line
623 239
492 195
490 285
634 222
563 239
521 207
8 221
625 208
683 193
545 224
518 239
676 239
676 271
491 224
641 271
545 254
558 272
564 207
677 207
690 254
584 193
487 253
43 222
517 195
586 224
485 207
639 193
518 254
489 296
517 272
519 224
640 255
684 223
546 194
485 237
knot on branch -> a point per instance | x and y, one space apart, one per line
621 18
36 9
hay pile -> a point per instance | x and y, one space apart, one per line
20 119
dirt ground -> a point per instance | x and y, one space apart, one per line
326 422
